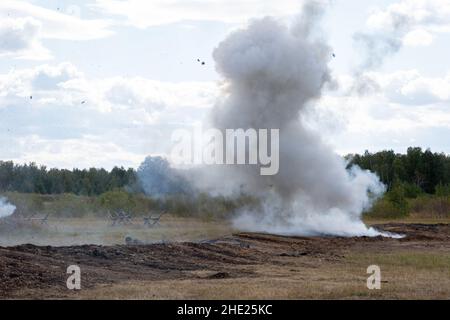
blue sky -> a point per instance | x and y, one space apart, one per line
111 79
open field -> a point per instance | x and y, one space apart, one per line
408 220
99 231
239 265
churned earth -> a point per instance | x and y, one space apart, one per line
239 266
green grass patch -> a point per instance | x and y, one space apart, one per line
438 261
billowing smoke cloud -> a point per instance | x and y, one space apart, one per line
158 178
272 74
6 209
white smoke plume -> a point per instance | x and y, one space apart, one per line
272 73
404 23
6 209
375 48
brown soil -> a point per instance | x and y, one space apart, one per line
29 271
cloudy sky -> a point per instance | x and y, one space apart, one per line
105 82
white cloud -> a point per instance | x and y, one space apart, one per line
43 79
73 120
414 20
20 38
74 153
142 13
411 88
407 108
64 24
405 23
24 27
418 37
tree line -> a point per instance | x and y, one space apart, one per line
418 170
31 178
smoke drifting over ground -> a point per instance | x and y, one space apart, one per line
6 209
158 179
272 73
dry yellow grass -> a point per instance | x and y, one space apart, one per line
411 219
78 231
410 270
405 275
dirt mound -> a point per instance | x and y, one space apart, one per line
412 232
44 268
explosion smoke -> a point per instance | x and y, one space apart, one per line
395 27
6 209
157 178
272 74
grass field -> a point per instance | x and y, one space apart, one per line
417 275
266 267
91 230
172 261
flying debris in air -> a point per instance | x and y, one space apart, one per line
202 62
334 55
83 102
31 97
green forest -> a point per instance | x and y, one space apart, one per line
420 171
31 178
416 182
